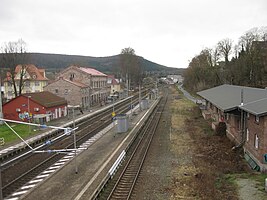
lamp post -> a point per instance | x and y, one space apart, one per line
29 113
74 140
1 122
74 137
1 193
1 111
131 106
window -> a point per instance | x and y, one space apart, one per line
56 91
37 83
257 119
256 142
247 115
66 91
27 83
227 116
247 134
72 77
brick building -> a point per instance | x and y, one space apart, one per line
80 86
244 112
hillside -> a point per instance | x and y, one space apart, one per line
56 62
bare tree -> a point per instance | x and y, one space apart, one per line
14 54
130 66
213 56
224 48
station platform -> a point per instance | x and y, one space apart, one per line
94 160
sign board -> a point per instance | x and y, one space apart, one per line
113 114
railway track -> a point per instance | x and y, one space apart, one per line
124 181
16 174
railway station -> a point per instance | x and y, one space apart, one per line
82 174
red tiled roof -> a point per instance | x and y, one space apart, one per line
46 99
34 72
92 71
115 82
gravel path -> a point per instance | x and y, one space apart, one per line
248 190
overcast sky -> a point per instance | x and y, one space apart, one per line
168 32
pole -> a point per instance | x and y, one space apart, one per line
131 106
140 98
89 99
1 193
113 109
29 113
74 139
127 94
1 111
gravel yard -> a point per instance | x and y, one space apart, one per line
188 161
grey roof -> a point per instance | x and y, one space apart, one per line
228 97
257 107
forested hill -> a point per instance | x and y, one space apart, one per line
105 64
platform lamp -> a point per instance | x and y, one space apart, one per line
1 193
74 136
29 113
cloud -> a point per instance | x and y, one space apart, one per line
168 32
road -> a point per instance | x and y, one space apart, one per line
186 94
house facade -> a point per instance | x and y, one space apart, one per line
33 80
244 112
114 85
42 106
92 86
75 93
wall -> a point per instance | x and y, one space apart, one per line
259 129
21 103
67 90
17 109
32 87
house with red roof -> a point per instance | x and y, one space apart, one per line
44 106
82 86
34 79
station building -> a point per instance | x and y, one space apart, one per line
81 86
243 110
38 106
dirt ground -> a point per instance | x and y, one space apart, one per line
188 161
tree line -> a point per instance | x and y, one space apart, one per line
130 68
244 63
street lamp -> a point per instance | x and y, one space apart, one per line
74 136
131 106
1 193
29 113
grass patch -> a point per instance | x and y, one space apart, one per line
259 178
225 180
9 136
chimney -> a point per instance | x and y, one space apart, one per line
242 97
